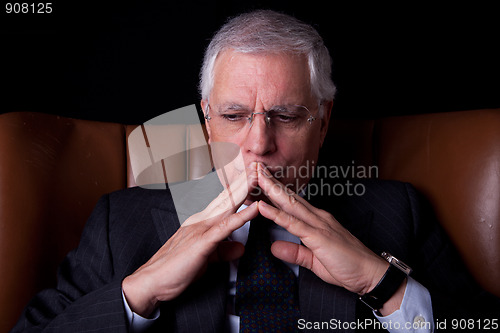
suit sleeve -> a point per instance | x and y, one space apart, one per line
88 294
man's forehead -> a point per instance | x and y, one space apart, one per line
283 77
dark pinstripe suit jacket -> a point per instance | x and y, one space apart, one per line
128 227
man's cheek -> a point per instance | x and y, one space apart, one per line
228 161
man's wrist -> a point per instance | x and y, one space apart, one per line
394 303
381 271
415 310
136 322
137 301
390 288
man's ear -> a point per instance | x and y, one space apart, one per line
327 111
204 107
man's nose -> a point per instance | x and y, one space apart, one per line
260 137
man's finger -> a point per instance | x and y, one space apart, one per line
264 172
293 253
234 193
229 200
285 199
220 229
291 223
300 255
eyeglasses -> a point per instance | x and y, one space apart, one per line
286 120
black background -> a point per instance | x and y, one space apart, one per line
130 61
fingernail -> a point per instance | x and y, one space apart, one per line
253 166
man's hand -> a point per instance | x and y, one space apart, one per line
329 250
185 256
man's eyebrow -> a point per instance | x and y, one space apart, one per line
240 107
234 107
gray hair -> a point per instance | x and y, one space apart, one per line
266 31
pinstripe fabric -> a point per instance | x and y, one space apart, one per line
201 308
321 302
128 227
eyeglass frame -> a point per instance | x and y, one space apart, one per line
267 119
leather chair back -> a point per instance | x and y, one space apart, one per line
52 172
454 160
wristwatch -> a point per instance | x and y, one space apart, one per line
397 272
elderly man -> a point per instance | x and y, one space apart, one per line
266 87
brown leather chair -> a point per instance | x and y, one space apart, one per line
54 169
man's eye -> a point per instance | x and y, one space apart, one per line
285 118
232 117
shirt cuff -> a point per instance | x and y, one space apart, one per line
414 315
136 323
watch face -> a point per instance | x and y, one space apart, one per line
396 262
387 256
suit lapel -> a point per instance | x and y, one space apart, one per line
201 307
166 223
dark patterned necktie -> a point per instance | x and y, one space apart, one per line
266 289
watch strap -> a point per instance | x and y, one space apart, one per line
386 287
